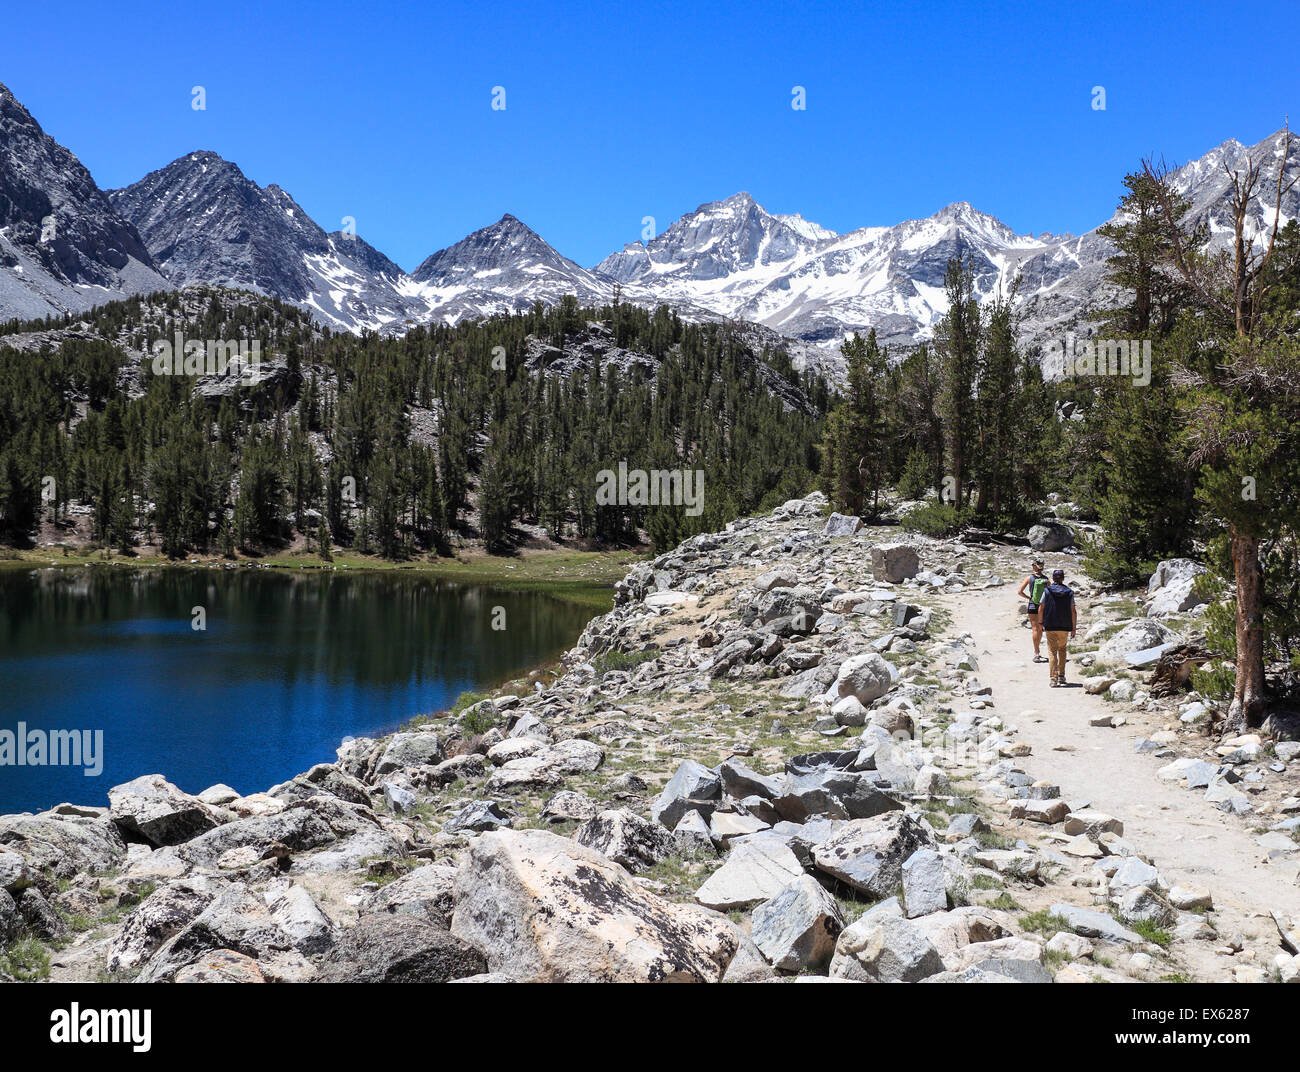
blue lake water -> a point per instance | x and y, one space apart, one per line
288 665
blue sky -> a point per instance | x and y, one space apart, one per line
615 112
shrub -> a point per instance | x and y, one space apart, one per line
915 481
621 660
937 519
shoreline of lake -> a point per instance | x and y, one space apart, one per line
284 665
586 577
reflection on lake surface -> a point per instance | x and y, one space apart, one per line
288 665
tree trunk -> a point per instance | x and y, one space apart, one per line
1247 709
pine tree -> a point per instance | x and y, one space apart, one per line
916 420
957 343
999 409
1242 411
1146 503
1144 240
855 452
18 499
915 481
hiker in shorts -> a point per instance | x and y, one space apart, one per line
1058 618
1032 589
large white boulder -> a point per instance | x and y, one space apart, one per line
884 949
865 677
868 854
1170 570
626 838
1173 587
1140 634
542 908
797 928
1178 597
153 809
1051 536
756 870
841 525
810 504
782 577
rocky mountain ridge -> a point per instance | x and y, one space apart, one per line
203 221
62 245
208 223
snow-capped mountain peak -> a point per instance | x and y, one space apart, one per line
507 244
718 240
504 267
209 223
65 245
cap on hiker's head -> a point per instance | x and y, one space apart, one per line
1058 574
1038 563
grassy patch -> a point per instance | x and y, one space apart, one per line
1044 922
991 839
1102 635
959 803
1151 932
77 922
1055 959
853 908
682 872
26 960
382 870
480 722
621 660
1005 902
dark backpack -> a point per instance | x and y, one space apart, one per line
1057 602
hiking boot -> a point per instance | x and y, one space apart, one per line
1055 684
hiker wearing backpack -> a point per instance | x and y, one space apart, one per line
1031 590
1058 618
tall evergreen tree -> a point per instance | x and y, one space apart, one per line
855 451
999 408
957 343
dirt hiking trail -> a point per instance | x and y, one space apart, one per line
1189 841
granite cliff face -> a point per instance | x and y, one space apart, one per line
63 248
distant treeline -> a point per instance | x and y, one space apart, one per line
323 449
